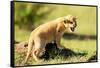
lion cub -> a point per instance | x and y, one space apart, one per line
48 32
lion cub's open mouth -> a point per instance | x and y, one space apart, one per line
72 29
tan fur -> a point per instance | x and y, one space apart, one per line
47 33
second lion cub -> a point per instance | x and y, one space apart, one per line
47 33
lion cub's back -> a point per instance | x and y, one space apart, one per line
45 30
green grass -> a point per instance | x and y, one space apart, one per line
77 46
88 46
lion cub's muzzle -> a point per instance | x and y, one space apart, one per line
73 28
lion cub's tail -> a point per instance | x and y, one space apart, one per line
29 50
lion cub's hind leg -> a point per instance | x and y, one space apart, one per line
39 49
35 56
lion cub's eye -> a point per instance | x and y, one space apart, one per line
71 22
65 21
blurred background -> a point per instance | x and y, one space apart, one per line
28 16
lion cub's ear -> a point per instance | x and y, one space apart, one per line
65 21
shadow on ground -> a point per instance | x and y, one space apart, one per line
93 58
52 51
